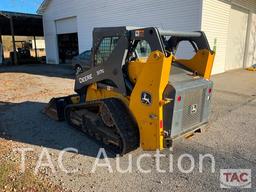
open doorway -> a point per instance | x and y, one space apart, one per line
68 47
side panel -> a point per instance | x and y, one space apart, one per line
95 93
111 69
152 81
193 108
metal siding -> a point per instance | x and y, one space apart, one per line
236 44
251 52
167 14
250 5
215 22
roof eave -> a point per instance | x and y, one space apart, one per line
42 7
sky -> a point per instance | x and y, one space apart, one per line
24 6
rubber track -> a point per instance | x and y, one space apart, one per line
125 123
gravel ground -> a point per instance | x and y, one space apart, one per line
230 135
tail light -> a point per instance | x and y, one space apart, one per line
161 124
209 92
179 98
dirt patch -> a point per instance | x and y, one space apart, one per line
11 178
17 88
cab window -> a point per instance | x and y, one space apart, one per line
105 48
143 49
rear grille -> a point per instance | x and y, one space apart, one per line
193 108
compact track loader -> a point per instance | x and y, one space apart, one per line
137 92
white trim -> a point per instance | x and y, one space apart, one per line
43 6
200 17
57 50
239 5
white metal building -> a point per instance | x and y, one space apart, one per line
228 24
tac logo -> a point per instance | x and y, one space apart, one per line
235 178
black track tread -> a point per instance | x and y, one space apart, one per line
124 121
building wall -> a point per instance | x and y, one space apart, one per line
251 52
215 20
167 14
50 40
215 23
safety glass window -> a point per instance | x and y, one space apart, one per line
105 48
143 49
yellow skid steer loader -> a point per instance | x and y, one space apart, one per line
137 92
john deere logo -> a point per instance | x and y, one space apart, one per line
146 98
193 109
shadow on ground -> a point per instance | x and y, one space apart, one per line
24 122
63 71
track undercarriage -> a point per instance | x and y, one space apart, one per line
108 121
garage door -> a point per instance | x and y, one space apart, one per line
236 38
65 26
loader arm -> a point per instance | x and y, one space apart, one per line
202 62
149 115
